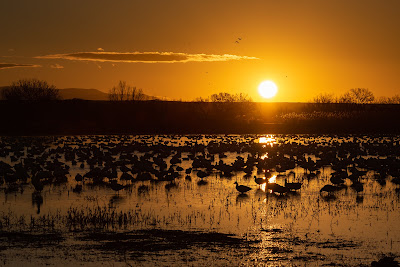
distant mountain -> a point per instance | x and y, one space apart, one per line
87 94
79 93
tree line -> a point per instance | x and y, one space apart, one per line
34 90
225 97
38 90
355 96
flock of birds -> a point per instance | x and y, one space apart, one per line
119 161
273 187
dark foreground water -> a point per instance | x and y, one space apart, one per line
171 200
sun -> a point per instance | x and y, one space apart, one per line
267 89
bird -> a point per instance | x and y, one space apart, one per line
259 180
116 186
329 188
336 180
79 178
396 180
358 186
268 175
292 186
37 184
242 188
272 186
280 189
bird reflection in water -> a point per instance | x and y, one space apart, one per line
115 200
241 198
37 200
359 199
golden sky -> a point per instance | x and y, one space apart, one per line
185 49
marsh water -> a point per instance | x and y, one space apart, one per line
171 200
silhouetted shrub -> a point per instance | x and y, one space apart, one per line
324 98
225 97
31 90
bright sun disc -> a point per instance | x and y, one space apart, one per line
267 89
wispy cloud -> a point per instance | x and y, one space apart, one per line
14 65
56 66
145 57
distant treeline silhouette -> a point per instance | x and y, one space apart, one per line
355 96
41 113
225 97
33 90
171 117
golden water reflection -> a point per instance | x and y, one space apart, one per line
264 186
267 140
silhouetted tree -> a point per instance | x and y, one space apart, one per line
324 98
388 100
394 99
137 94
242 98
201 99
123 91
346 98
31 90
361 95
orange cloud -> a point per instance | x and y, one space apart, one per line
56 66
14 65
145 57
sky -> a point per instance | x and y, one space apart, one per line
188 49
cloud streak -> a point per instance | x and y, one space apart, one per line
56 66
145 57
14 65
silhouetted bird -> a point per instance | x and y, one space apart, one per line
329 188
259 180
292 186
78 178
396 180
116 186
280 189
358 186
242 188
37 184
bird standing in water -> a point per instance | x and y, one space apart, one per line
292 186
260 180
242 188
116 186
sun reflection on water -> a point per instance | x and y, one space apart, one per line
267 140
264 186
272 179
